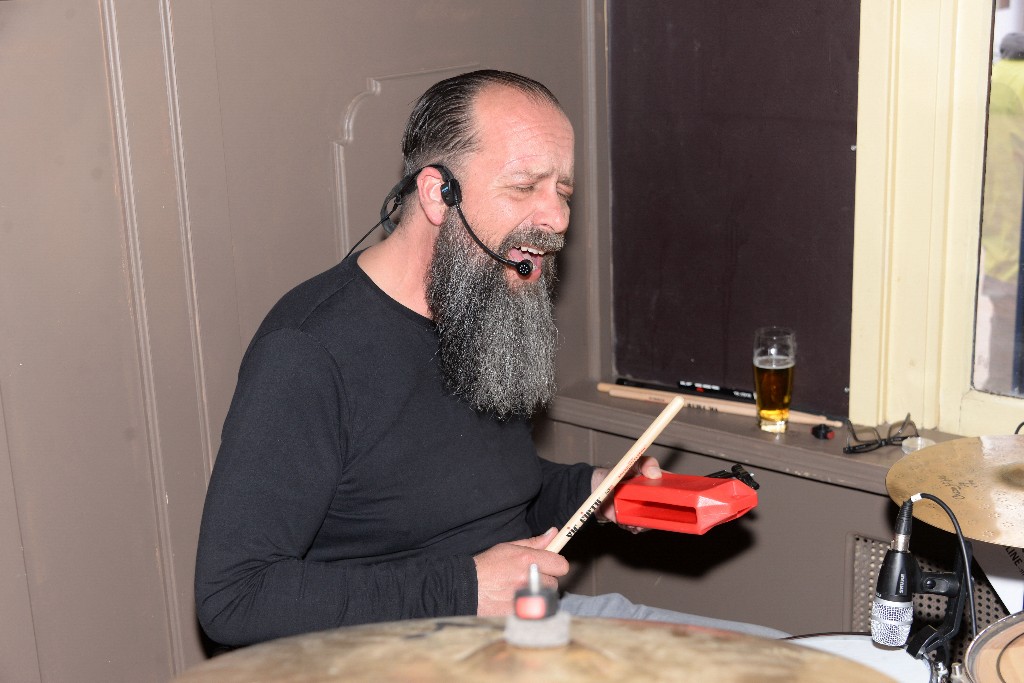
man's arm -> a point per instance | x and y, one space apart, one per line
563 488
275 477
504 569
291 596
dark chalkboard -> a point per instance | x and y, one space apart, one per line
733 133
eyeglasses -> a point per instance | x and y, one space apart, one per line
870 440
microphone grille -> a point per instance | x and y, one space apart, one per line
890 622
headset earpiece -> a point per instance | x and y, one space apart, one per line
451 193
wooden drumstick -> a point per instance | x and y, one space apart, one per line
718 405
591 504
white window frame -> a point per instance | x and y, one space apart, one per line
922 100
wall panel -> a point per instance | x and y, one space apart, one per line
71 374
177 167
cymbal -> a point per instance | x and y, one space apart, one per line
980 478
474 649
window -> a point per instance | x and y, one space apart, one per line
921 129
733 189
999 336
921 121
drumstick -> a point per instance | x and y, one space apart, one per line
612 478
718 404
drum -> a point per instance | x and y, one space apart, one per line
474 649
858 647
997 654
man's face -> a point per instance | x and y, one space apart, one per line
496 328
521 175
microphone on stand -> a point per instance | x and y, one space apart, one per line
900 577
892 610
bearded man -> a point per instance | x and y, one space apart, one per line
377 463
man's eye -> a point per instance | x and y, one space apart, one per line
525 188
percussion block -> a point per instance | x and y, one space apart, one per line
682 503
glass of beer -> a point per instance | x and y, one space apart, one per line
774 360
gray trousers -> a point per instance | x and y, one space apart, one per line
616 606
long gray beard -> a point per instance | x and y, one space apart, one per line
497 343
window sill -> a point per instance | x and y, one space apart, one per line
733 438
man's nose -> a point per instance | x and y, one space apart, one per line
552 212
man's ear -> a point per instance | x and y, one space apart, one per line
428 190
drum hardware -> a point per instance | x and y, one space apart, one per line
900 578
984 478
956 588
535 620
859 647
996 655
737 471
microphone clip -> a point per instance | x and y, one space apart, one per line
736 472
953 586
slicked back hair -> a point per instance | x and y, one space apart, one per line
441 128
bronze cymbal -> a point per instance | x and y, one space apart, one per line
473 649
980 478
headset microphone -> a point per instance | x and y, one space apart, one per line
451 193
452 196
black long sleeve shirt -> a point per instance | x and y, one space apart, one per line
350 487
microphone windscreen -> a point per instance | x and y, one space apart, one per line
890 622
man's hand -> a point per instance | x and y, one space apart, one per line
505 568
646 466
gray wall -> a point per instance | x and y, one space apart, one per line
169 170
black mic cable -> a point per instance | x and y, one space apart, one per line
965 556
394 198
957 587
524 267
451 193
375 226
